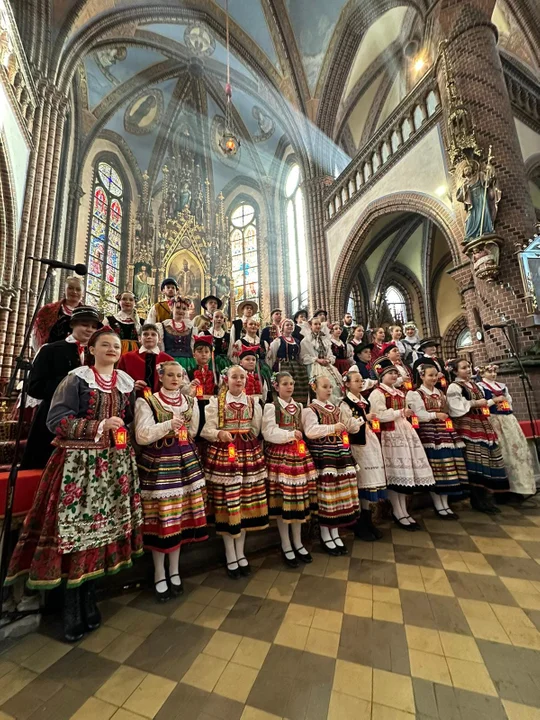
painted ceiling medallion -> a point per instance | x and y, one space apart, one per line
265 122
144 112
199 40
109 56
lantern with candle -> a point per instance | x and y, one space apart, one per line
120 438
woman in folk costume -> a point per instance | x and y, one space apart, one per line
407 467
292 477
337 490
356 339
246 309
411 340
250 338
125 322
172 479
405 379
284 352
356 415
235 468
317 355
86 518
341 351
470 413
176 335
221 342
443 448
53 320
378 339
396 335
512 441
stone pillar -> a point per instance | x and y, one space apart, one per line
319 276
474 65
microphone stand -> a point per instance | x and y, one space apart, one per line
525 381
22 365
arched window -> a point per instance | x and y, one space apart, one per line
464 339
296 240
103 279
350 307
244 238
395 301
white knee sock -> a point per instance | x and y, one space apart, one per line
437 501
230 552
286 546
159 570
174 567
334 534
446 506
296 530
239 548
365 504
327 538
395 500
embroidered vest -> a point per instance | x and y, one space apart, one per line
288 351
326 417
393 402
284 419
235 416
162 415
491 392
358 411
163 311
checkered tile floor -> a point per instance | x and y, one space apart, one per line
436 624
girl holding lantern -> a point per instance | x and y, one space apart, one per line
172 479
235 468
470 412
329 443
292 478
407 467
443 448
86 518
512 441
356 415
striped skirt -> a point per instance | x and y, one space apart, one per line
236 490
173 495
337 489
483 457
444 452
292 483
301 380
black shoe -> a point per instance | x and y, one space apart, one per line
445 515
234 574
290 562
245 570
303 557
176 590
364 528
342 548
163 596
413 523
409 528
335 551
90 610
74 626
480 502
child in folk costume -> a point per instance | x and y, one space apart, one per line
485 466
126 322
235 468
356 339
203 376
221 342
246 311
176 335
411 340
342 352
292 477
337 490
316 354
405 379
284 354
172 479
86 518
396 335
355 414
443 448
256 387
378 339
407 467
512 441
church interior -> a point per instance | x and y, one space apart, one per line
377 158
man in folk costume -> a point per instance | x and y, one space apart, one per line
245 310
271 332
427 355
348 327
300 319
51 365
209 305
164 310
142 364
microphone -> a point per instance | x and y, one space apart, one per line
501 325
79 268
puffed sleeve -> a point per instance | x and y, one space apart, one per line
415 402
256 421
271 355
271 430
210 428
307 352
457 404
194 424
160 330
151 318
352 424
65 406
147 430
379 409
312 428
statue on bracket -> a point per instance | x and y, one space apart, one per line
481 196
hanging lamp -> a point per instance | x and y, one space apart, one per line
228 143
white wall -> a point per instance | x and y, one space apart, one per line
18 151
529 140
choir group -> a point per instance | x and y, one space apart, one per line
162 430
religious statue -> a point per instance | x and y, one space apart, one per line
481 196
186 281
142 289
185 196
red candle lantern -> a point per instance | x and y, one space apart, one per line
147 393
486 411
407 385
199 392
376 425
346 440
505 405
443 382
301 448
182 434
449 425
120 438
231 449
415 422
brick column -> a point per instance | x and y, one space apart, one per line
319 276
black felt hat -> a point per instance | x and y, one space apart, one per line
360 348
169 281
302 311
384 366
428 342
86 312
211 297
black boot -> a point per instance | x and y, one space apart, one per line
90 610
479 501
364 527
74 626
374 529
489 502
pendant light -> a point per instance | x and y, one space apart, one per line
229 143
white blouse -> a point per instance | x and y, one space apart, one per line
271 355
377 400
309 350
270 429
353 424
500 387
148 431
312 428
457 404
210 430
415 402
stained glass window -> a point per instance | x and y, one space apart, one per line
103 279
396 304
296 240
244 239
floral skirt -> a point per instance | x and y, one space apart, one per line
407 467
292 483
337 490
173 495
236 490
85 521
485 465
515 453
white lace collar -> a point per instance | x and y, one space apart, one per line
427 391
391 390
124 383
217 333
355 399
187 322
230 398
